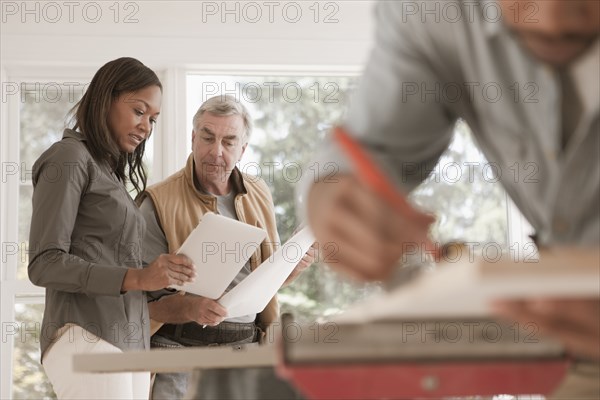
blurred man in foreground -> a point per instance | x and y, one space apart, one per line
524 76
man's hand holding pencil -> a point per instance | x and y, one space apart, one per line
362 222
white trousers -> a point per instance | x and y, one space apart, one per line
67 384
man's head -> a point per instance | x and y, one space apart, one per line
554 31
222 128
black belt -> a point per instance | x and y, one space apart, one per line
193 334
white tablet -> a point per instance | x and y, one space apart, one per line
219 247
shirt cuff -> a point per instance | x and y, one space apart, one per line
105 280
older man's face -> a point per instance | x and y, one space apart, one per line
218 143
554 31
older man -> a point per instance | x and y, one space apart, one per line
209 182
524 75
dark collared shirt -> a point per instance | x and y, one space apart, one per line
86 231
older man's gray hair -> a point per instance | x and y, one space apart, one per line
225 105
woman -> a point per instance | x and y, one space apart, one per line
86 234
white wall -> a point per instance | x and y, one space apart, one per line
185 33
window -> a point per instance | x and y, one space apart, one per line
29 379
464 193
292 115
42 119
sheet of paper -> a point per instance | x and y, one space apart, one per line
466 289
253 293
219 247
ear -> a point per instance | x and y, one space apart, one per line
243 150
193 136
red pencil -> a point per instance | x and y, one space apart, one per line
370 175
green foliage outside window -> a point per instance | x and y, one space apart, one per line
469 205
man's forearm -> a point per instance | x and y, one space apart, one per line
172 309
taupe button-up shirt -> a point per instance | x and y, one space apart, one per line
86 231
428 70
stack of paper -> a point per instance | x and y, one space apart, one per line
466 289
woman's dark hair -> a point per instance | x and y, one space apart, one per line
90 114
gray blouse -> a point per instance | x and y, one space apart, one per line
86 231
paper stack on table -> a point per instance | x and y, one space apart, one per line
466 289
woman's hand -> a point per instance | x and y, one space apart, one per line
166 270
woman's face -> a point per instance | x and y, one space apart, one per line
132 116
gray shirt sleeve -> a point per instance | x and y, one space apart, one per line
155 242
60 178
391 114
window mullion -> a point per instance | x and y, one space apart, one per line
10 245
171 145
